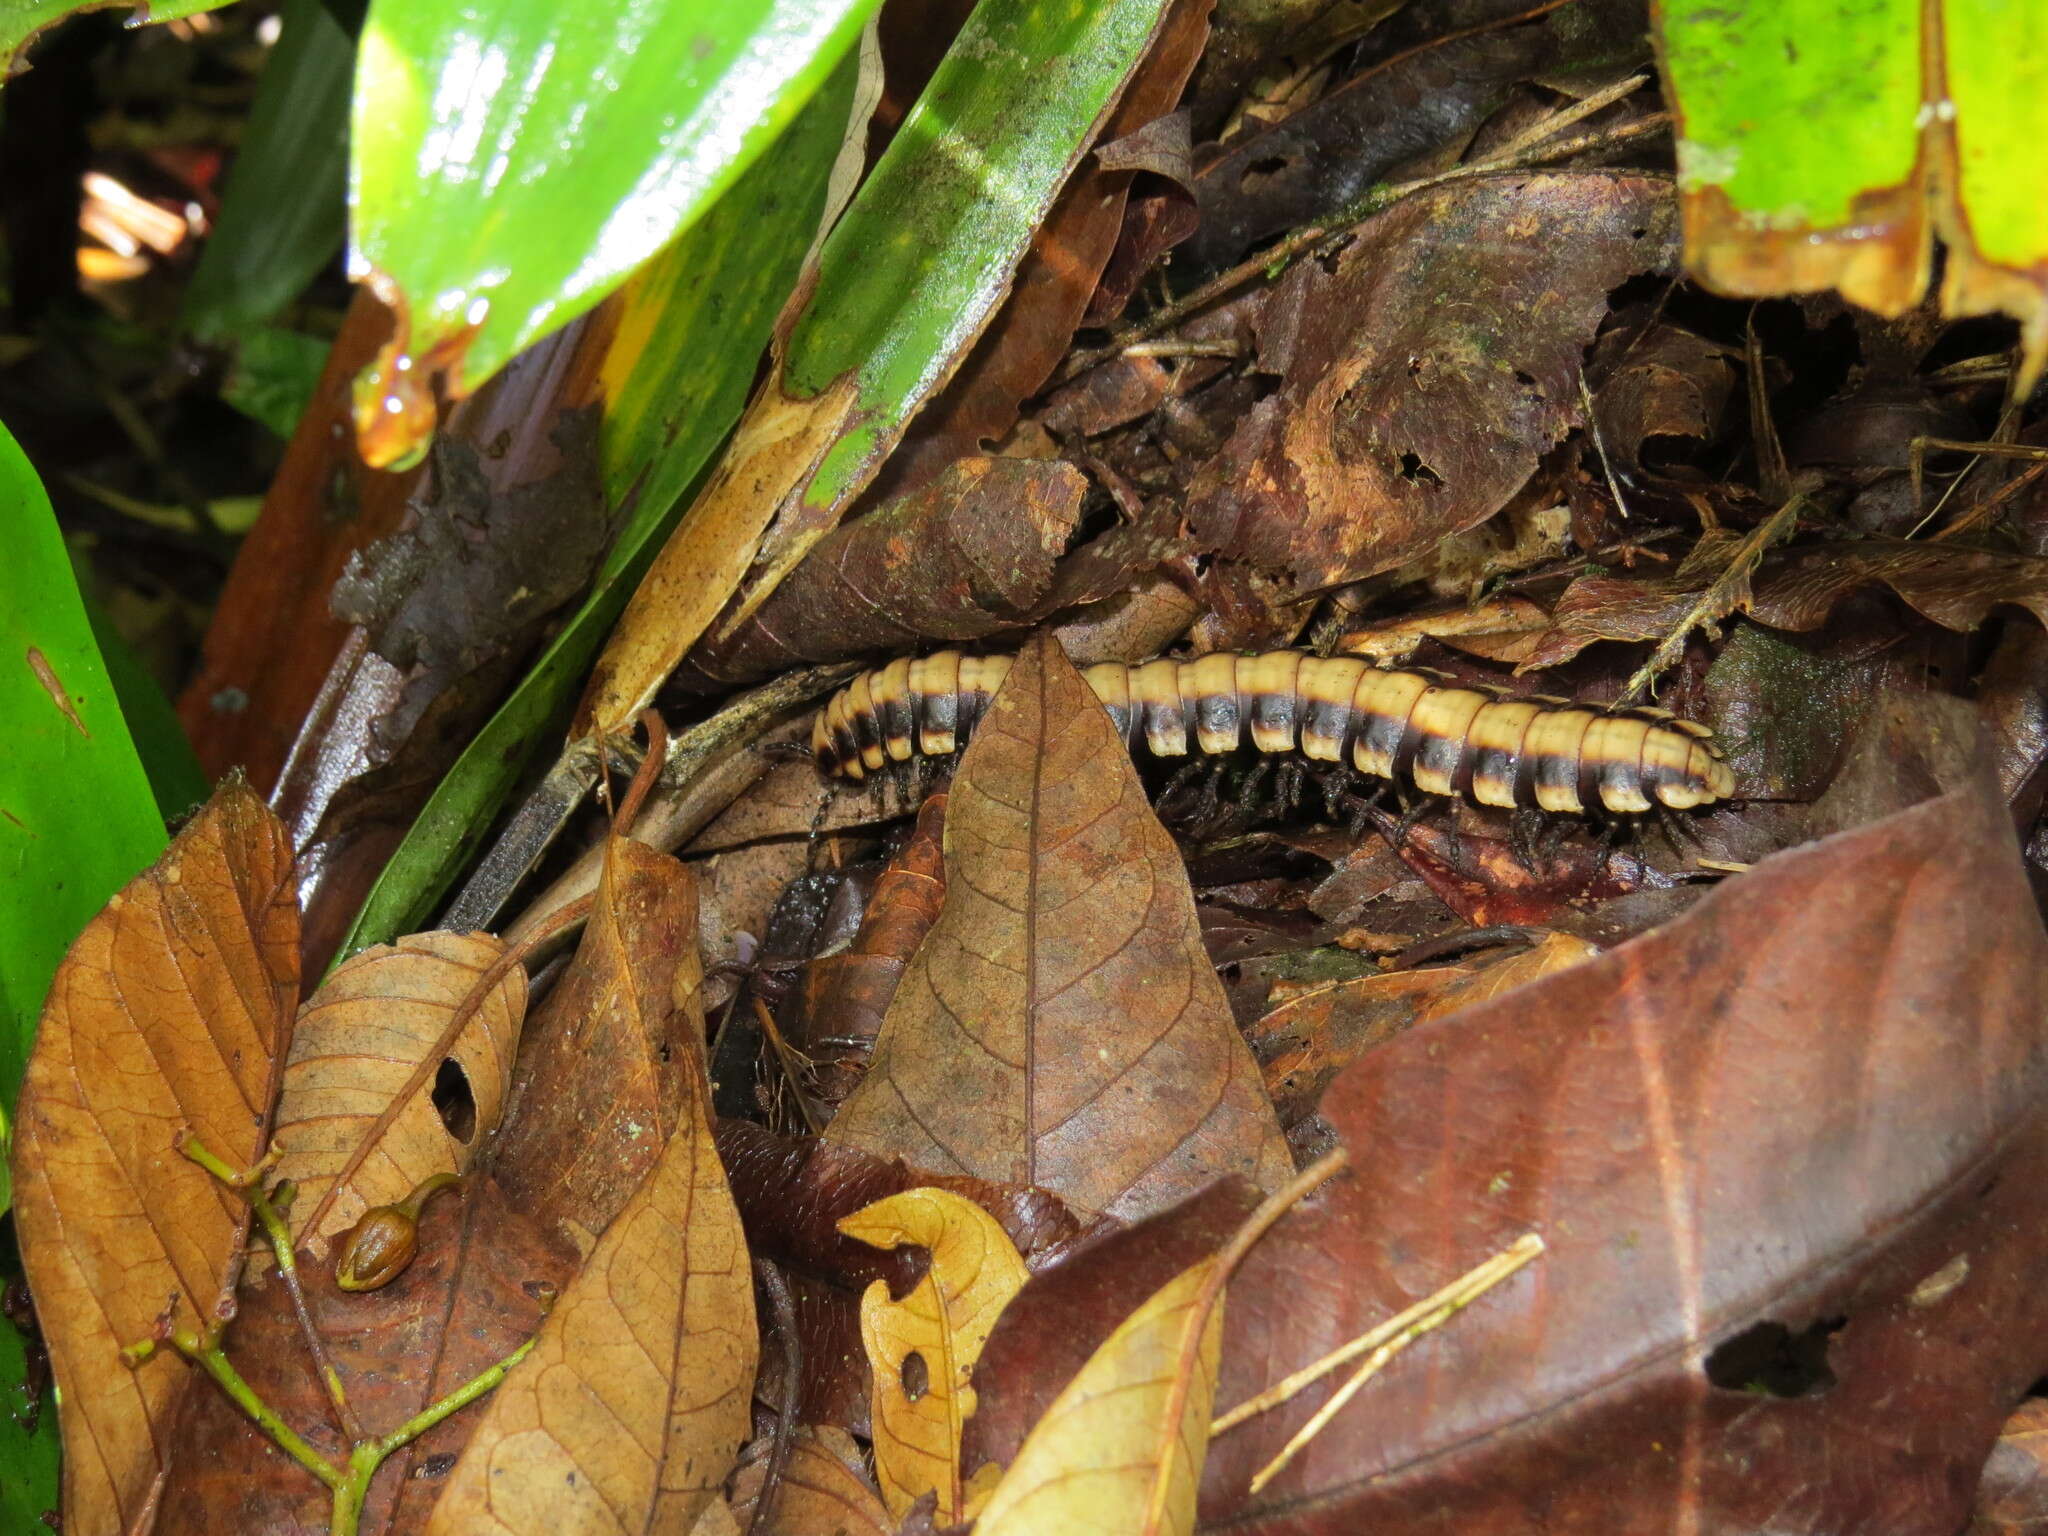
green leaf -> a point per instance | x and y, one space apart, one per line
1814 150
274 375
912 274
513 162
1794 108
690 332
77 820
906 281
285 210
176 780
21 20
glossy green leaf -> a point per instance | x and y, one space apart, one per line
77 820
168 761
513 162
1815 149
912 274
906 281
1793 108
285 209
21 20
691 330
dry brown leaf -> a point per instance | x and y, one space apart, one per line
601 1078
1120 1451
1062 1025
360 1040
773 451
635 1400
943 1322
824 1489
170 1014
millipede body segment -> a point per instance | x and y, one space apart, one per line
1404 724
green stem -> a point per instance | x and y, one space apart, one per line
212 1359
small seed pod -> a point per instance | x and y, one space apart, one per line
380 1247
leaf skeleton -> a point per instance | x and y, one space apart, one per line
1406 725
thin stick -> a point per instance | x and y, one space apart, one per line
1254 1227
784 1306
1275 259
1715 601
1600 446
784 1052
1397 1335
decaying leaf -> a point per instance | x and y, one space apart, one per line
169 1017
965 555
1408 409
1061 1024
1120 1450
1955 586
1307 1040
824 1488
941 1325
634 1402
469 1299
2012 1497
346 1116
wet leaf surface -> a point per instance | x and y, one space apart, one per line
1066 907
170 1016
1649 1112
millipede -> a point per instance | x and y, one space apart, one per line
1405 725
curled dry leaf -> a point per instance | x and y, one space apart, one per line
824 1488
1120 1450
838 1007
169 1015
1407 411
1061 1024
960 557
601 1080
357 1110
2012 1496
941 1325
635 1400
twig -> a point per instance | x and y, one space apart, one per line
1254 1227
1600 446
784 1305
1715 602
1275 259
1385 1341
249 1185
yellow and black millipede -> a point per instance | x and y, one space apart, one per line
1403 724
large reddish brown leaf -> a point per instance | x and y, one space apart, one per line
1409 407
170 1015
1061 1024
468 1300
1809 1110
